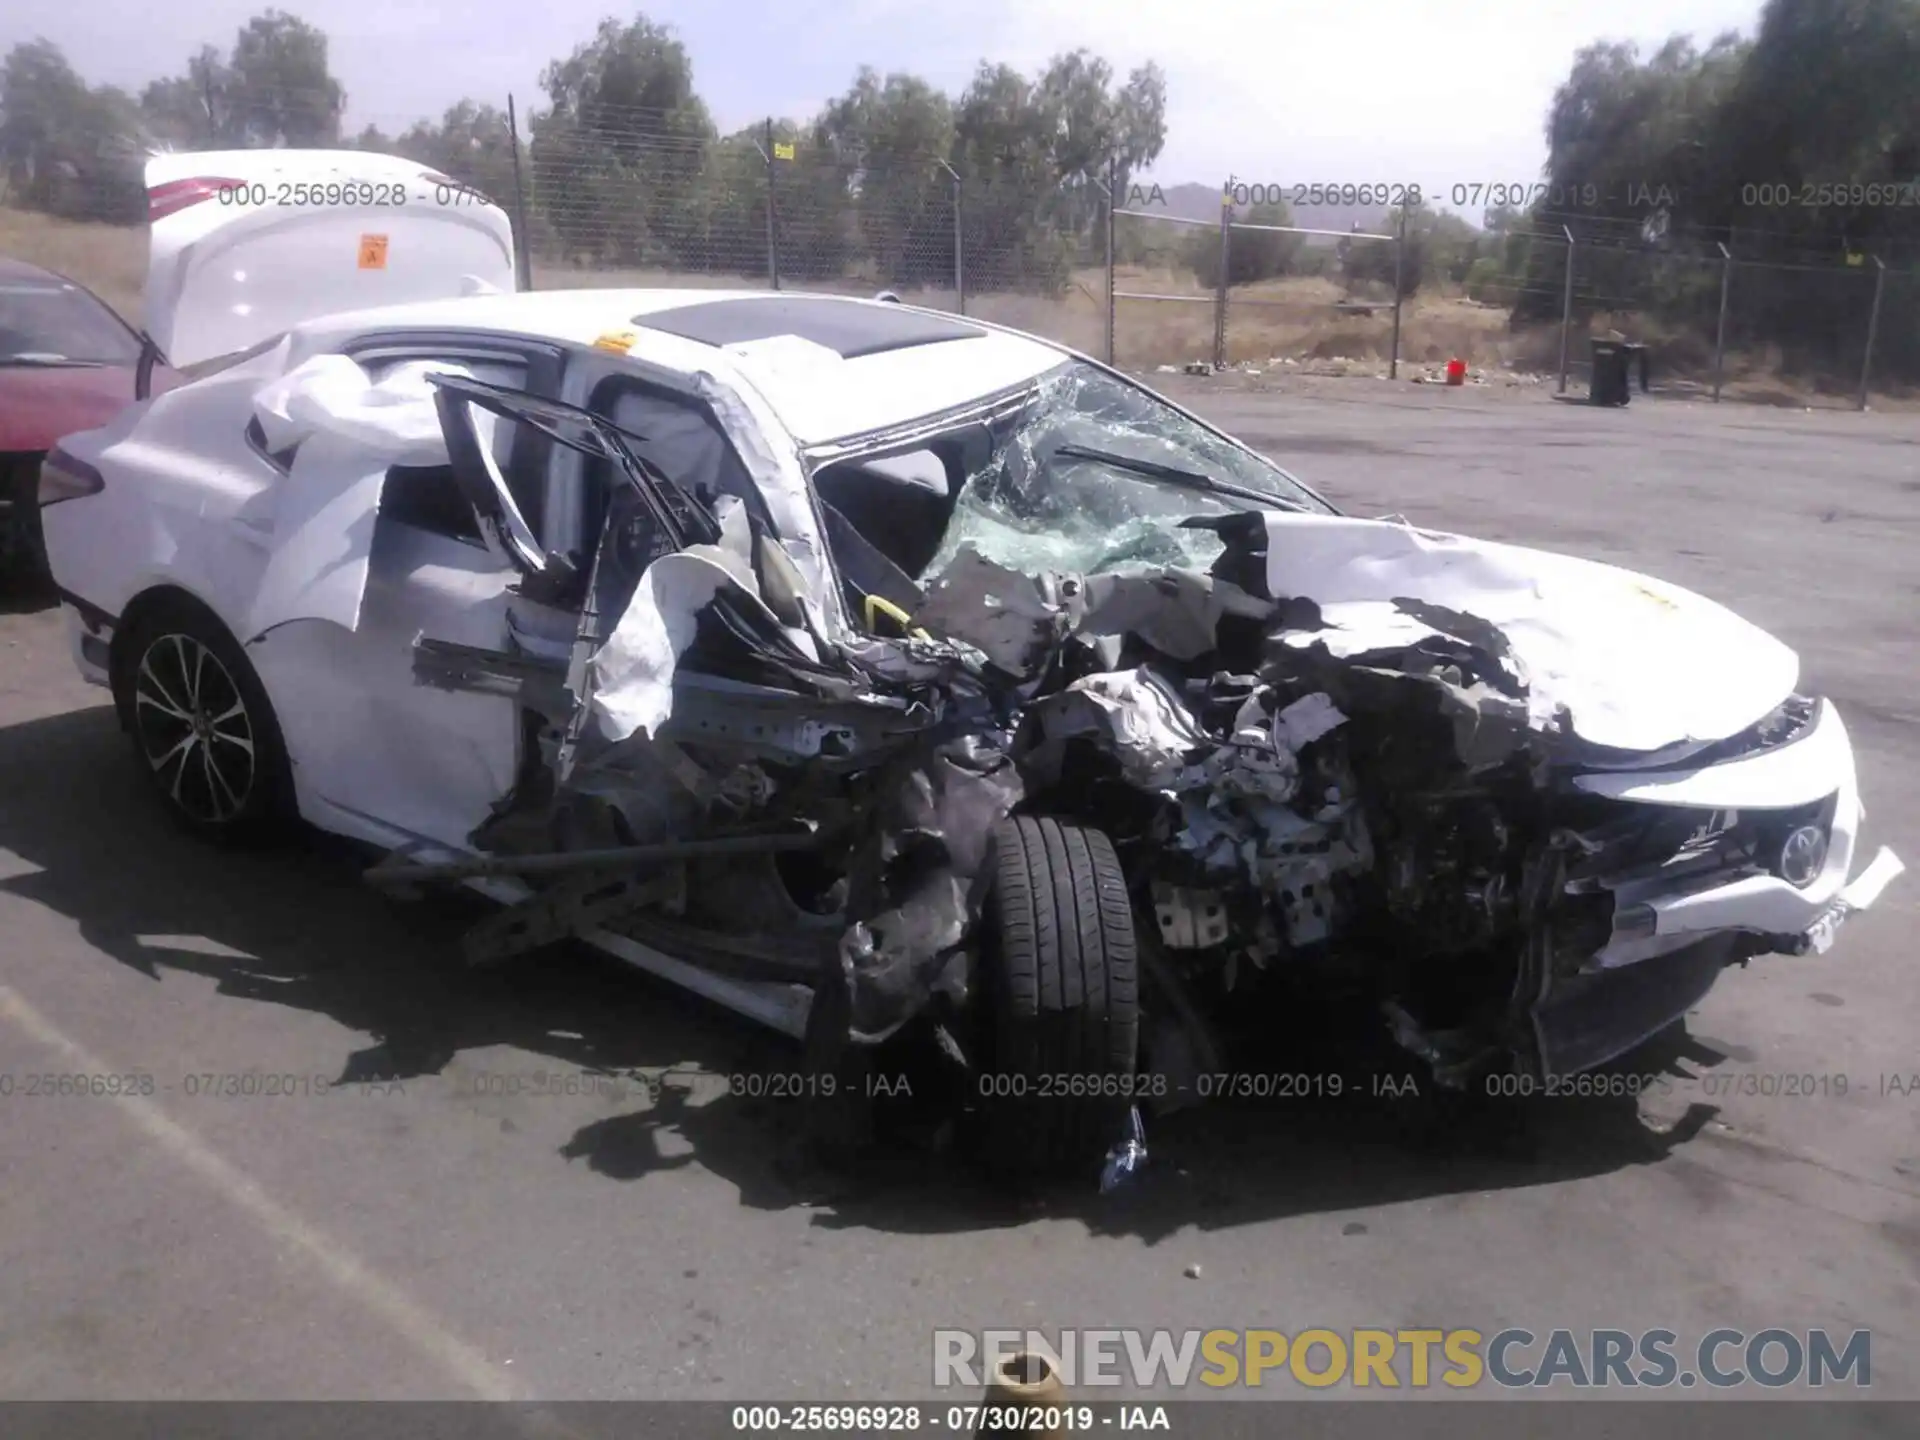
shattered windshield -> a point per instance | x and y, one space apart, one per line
1096 474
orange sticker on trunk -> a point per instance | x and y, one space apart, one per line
373 252
618 341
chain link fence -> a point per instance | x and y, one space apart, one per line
1342 307
1157 309
617 198
1790 329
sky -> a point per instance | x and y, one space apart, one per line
1344 91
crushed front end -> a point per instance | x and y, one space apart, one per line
1326 762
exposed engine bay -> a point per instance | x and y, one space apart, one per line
1304 787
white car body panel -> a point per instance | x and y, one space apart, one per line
364 736
329 598
1817 765
1637 663
821 397
1775 779
194 507
327 601
322 538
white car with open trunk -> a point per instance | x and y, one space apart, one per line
892 677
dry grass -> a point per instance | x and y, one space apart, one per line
110 260
1296 319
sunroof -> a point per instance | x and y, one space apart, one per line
847 327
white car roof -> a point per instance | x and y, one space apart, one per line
830 366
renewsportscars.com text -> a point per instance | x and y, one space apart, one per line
1416 1359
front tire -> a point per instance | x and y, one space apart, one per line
203 731
1060 983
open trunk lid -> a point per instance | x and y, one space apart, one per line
246 244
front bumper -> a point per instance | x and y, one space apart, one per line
1653 917
1694 928
88 641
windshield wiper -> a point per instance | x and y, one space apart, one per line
1173 475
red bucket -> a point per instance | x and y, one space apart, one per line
1456 372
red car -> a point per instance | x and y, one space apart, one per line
67 363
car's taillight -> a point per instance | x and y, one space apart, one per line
177 195
64 478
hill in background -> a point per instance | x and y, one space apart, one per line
1202 202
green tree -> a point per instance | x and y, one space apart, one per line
887 138
273 88
621 156
1252 255
67 148
282 91
1087 122
1825 96
471 144
1784 147
1033 155
1629 142
1002 150
194 110
1438 247
816 223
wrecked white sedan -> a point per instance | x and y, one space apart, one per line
889 676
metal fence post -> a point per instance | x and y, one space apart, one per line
1873 326
1566 310
1399 259
1220 286
1112 180
959 245
1720 334
773 226
523 255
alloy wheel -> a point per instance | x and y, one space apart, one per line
194 729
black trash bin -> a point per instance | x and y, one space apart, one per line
1637 357
1608 385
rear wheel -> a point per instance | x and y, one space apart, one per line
205 735
1061 991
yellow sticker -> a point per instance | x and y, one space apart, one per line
373 252
783 149
618 341
1654 595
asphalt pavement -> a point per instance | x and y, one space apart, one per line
437 1184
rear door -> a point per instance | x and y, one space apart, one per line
369 740
247 243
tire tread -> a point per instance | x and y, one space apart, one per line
1065 990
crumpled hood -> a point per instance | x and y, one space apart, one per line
1636 664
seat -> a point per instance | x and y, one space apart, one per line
866 571
901 505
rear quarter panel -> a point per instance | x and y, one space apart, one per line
185 501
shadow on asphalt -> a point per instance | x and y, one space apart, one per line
25 597
297 927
